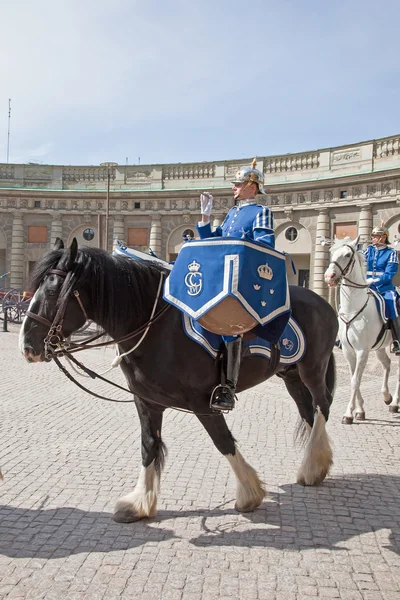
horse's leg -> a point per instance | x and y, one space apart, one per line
356 398
395 405
317 459
142 502
249 490
385 362
351 359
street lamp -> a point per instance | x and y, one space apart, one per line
109 165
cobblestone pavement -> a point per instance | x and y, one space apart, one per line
67 458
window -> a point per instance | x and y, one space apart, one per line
304 278
188 234
343 194
342 230
136 205
138 236
88 234
37 234
36 204
291 234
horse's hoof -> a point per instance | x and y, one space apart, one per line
347 420
387 398
127 516
246 508
360 416
394 409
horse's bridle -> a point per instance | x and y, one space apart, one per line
55 341
347 269
55 338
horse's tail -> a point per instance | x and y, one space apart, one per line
330 377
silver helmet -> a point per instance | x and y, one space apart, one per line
251 175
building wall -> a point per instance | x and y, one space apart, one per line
311 192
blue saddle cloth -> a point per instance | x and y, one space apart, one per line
292 341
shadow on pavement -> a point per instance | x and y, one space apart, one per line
321 517
296 518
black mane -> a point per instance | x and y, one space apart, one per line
112 282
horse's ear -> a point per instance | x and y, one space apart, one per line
73 250
355 242
58 244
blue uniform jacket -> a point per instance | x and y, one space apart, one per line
250 221
382 264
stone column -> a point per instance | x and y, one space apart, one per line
365 224
155 235
119 230
321 253
17 252
56 229
218 219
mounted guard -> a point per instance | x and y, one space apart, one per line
382 266
233 280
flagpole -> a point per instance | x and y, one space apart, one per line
8 132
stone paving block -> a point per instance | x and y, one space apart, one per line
67 458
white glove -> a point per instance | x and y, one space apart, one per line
206 202
371 280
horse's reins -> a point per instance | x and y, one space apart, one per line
56 345
353 284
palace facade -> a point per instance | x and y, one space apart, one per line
314 195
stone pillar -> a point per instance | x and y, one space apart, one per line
321 253
155 235
119 230
218 219
56 229
17 252
365 224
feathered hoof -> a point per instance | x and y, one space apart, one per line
314 480
387 398
360 416
392 409
347 420
249 507
127 516
127 511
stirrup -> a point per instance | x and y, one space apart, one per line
222 399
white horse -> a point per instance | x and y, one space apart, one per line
360 325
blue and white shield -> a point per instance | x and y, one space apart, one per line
207 271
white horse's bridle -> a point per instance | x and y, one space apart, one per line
347 269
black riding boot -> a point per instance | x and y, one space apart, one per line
223 396
395 328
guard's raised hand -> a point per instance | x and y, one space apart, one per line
206 202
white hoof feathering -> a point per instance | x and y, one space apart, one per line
142 502
250 490
317 459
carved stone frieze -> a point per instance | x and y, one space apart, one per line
133 175
371 190
301 198
11 203
6 172
386 187
24 203
356 191
37 174
315 196
328 195
62 204
49 203
346 156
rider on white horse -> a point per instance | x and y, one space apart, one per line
382 266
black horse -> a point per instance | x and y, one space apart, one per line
167 369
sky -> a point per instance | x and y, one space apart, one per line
152 81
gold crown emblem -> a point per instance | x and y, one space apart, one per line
265 272
194 267
257 287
